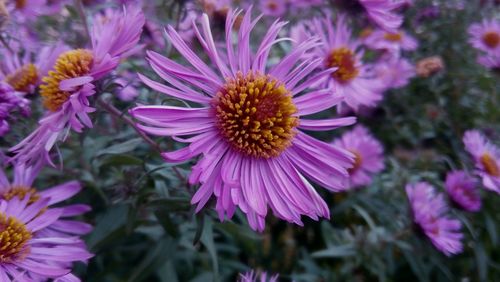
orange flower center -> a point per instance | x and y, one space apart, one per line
395 37
23 78
491 39
14 237
70 64
490 165
358 160
344 59
21 192
20 4
272 5
255 115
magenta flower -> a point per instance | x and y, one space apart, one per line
27 253
393 42
394 71
67 88
29 10
429 213
11 101
254 277
485 36
351 79
383 13
248 128
462 189
487 158
490 60
275 8
368 153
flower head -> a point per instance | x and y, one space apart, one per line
429 213
462 189
487 158
368 155
350 78
254 277
394 71
249 126
11 101
276 8
485 36
393 42
383 13
67 87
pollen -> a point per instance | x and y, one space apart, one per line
14 237
255 115
23 78
491 39
21 192
490 165
345 60
70 64
358 160
394 37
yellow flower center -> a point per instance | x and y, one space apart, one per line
23 78
21 192
491 39
358 160
345 60
70 64
490 165
395 37
255 115
14 237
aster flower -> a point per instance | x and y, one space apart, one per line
485 36
29 255
28 10
352 79
10 102
394 72
254 277
393 42
462 189
67 88
383 13
490 60
368 154
275 8
248 128
429 213
486 157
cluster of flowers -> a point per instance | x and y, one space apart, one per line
249 125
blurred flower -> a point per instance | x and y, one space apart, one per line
4 14
490 61
429 213
394 72
27 253
67 88
304 3
383 13
11 101
253 277
462 189
254 154
275 8
392 42
339 52
30 10
485 36
129 90
429 66
427 13
368 155
487 158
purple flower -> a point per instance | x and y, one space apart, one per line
394 71
485 36
350 79
429 213
276 8
383 13
462 189
487 158
392 42
128 91
254 277
249 126
490 60
368 153
67 88
11 101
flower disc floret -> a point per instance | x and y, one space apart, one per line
344 59
13 239
23 78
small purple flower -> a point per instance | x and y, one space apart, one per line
487 158
393 42
67 88
383 13
368 153
254 277
249 127
430 214
11 101
490 60
485 36
275 8
394 71
462 189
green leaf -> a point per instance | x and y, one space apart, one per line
207 239
108 226
347 250
162 251
121 148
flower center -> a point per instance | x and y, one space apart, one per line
14 237
255 115
70 64
20 4
358 160
272 5
21 192
491 39
489 164
344 59
394 37
23 78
